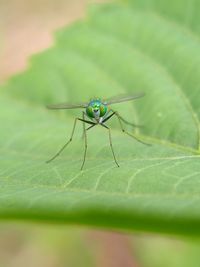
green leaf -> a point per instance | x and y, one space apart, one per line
119 48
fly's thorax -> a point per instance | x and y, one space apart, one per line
96 109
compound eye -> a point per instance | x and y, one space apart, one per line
89 111
103 110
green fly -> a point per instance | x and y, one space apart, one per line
97 112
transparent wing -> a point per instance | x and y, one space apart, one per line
67 106
122 98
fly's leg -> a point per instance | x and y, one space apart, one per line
122 119
72 134
129 123
110 140
85 137
122 128
111 145
83 133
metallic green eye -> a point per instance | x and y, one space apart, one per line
103 110
89 111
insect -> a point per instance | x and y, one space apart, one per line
97 112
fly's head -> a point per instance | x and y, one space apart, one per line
96 109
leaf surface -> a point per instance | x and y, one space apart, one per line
118 49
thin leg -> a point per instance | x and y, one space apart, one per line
111 146
130 123
86 121
91 127
85 137
110 116
121 118
65 145
122 128
83 134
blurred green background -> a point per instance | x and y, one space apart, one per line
59 246
26 28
